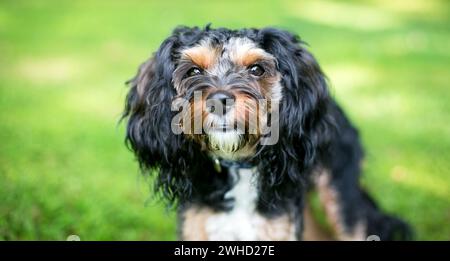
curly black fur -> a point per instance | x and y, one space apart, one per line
314 133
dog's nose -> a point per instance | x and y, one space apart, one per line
219 99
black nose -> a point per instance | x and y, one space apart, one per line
220 99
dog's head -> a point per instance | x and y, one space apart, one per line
229 85
221 92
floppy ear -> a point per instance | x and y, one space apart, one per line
148 106
304 119
149 133
175 161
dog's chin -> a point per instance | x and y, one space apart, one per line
228 144
228 141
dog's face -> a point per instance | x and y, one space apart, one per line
234 87
231 86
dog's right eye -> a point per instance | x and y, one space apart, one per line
193 72
256 70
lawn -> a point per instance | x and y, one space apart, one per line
64 168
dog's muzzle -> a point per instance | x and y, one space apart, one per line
220 102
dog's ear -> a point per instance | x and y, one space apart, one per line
304 119
149 132
148 108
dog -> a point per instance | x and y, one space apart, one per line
232 182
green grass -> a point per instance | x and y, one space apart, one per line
65 170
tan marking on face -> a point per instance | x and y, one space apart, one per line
203 55
251 57
250 114
268 87
196 116
244 52
331 202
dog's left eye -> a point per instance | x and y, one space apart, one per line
193 72
256 70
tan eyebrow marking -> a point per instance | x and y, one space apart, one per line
203 56
250 57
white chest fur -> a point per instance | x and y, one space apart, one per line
242 222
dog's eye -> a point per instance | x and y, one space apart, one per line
256 70
193 72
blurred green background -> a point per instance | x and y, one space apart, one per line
65 170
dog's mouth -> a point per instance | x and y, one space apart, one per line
222 134
223 128
225 141
224 123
